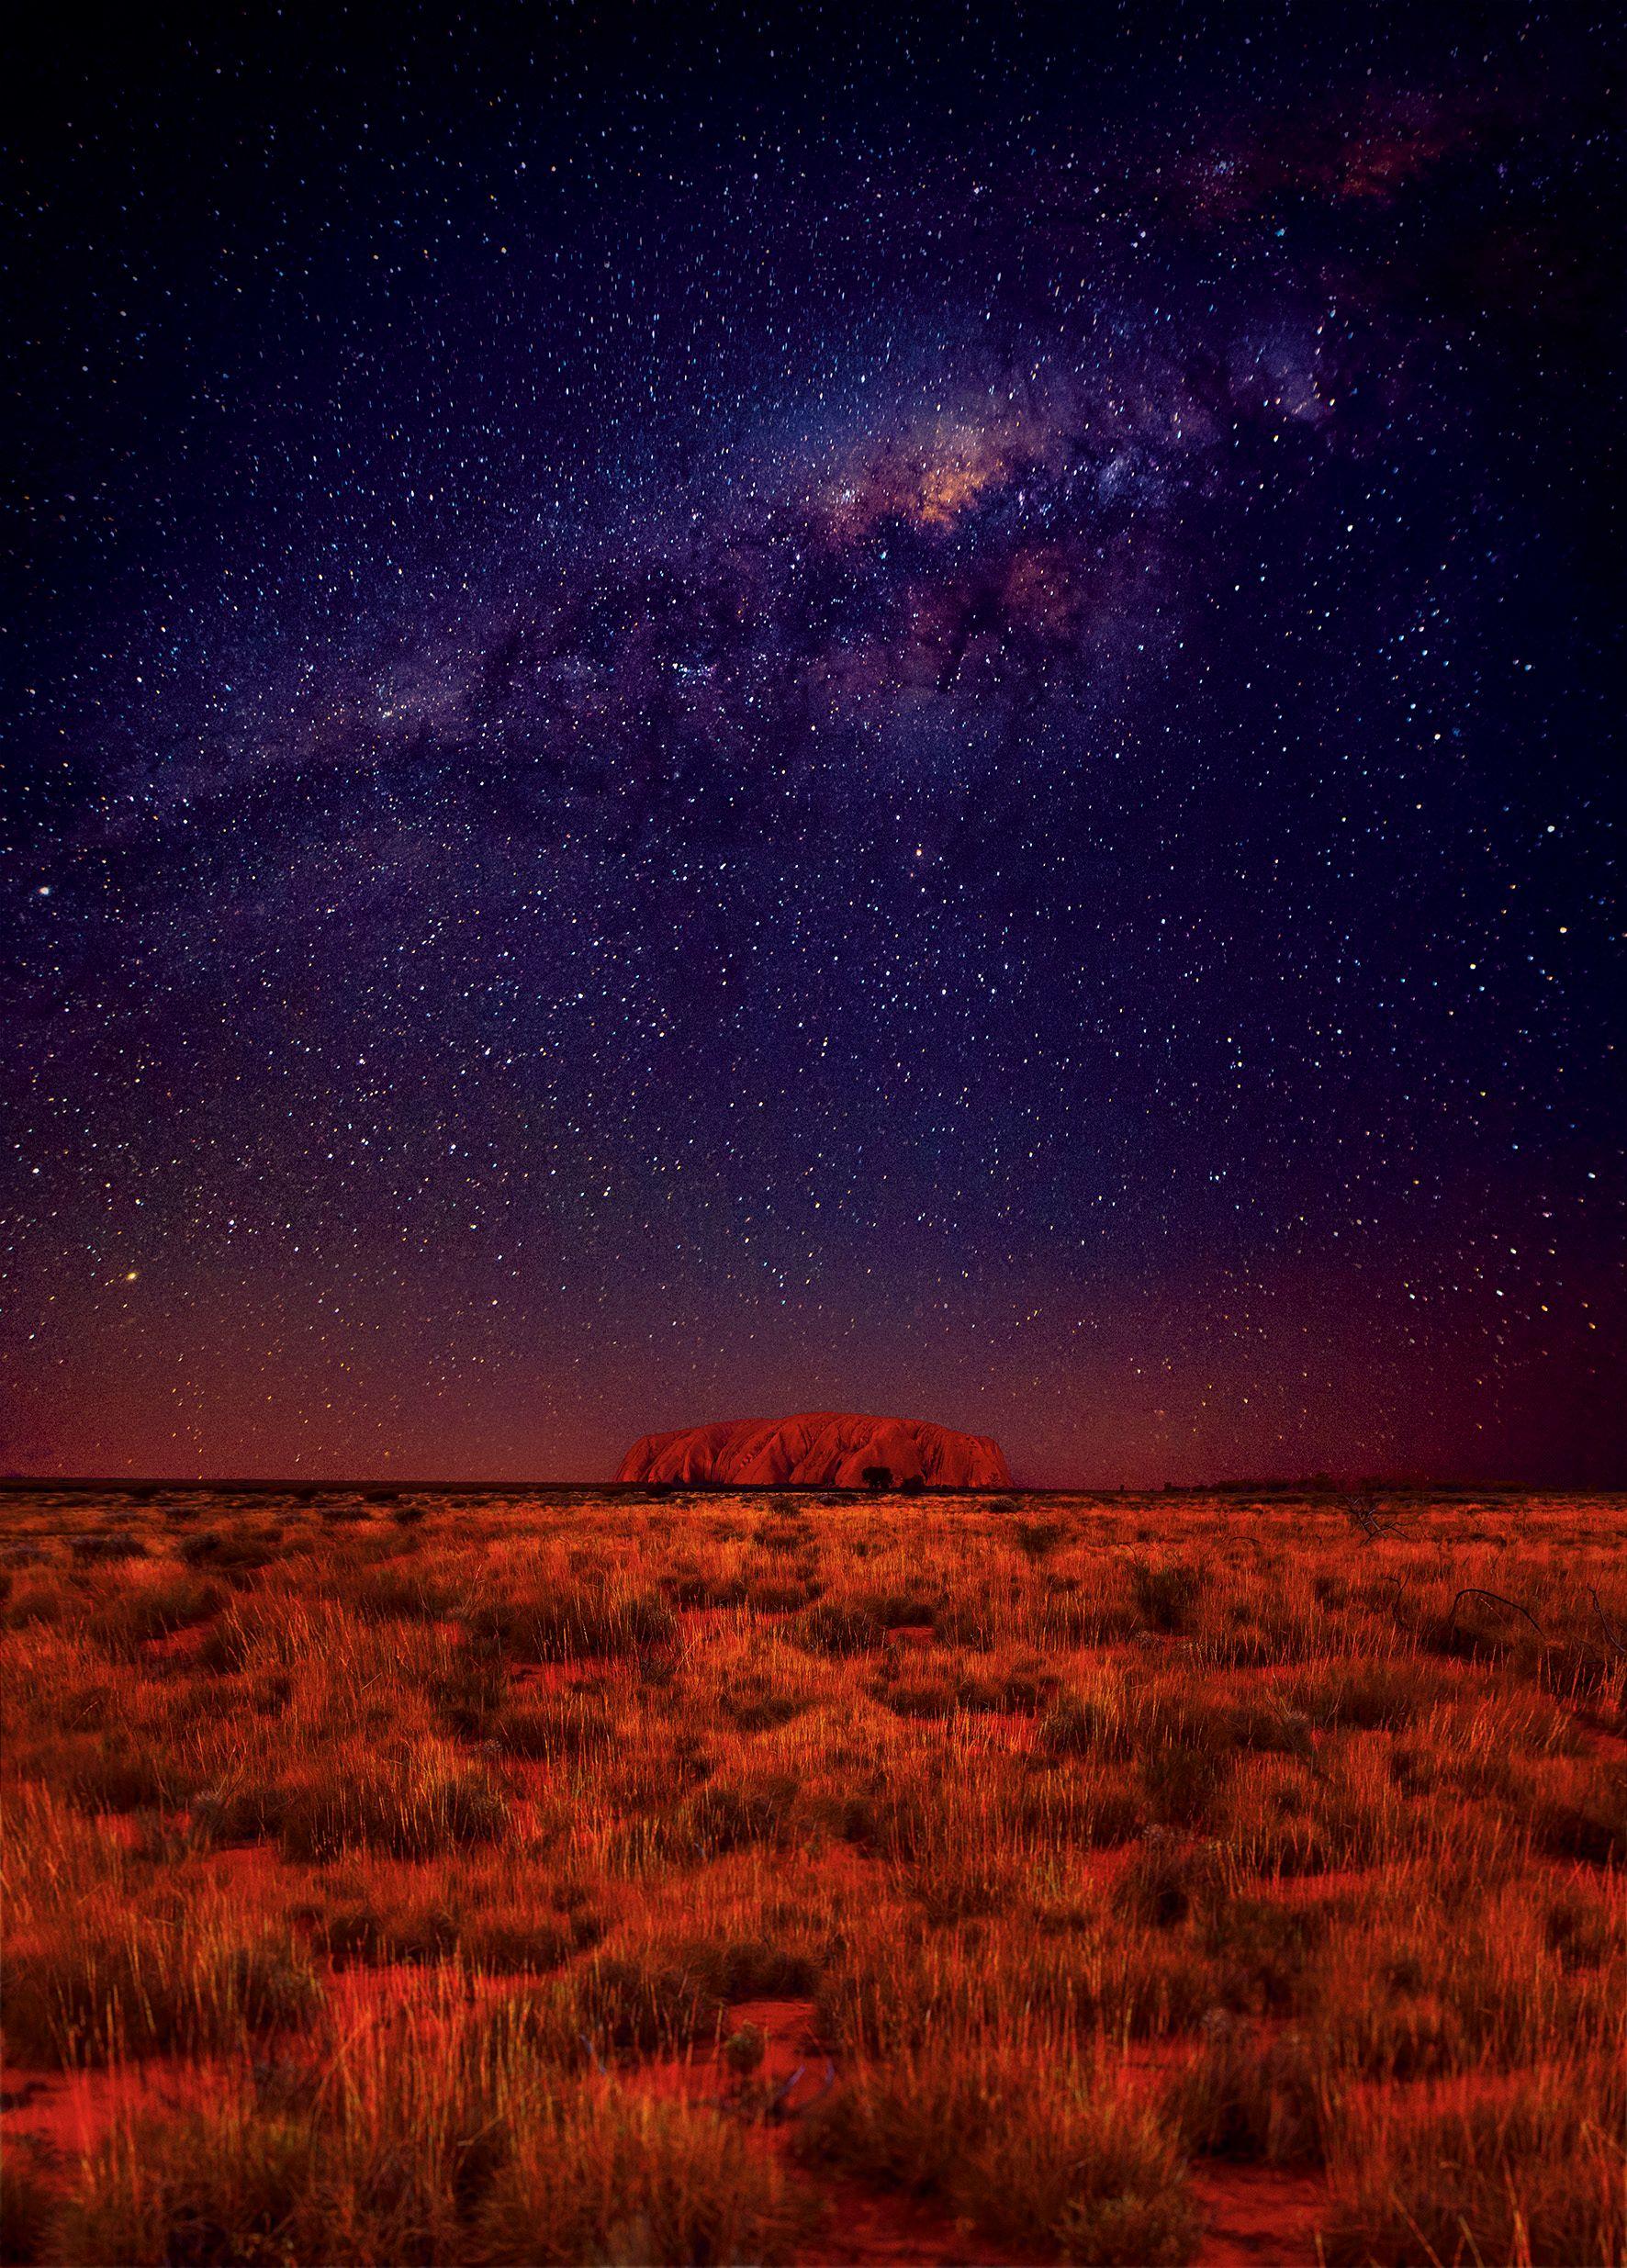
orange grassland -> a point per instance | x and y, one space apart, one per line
403 1878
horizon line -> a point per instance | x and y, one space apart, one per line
386 1485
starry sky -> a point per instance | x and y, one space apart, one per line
714 709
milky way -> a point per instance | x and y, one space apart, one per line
771 712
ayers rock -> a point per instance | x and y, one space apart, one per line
822 1449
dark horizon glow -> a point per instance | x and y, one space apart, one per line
717 714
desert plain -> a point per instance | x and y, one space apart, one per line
395 1876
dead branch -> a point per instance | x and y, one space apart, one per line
1605 1623
1473 1590
1366 1513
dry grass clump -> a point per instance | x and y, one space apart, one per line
1261 2097
151 1605
194 2191
482 1873
496 1913
1536 2172
443 2139
1399 1996
418 1805
1030 2144
1262 1951
608 2178
155 1982
589 1622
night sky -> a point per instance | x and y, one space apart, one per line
720 710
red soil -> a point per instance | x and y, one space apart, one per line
1257 2216
71 2111
791 2076
866 2228
1601 1742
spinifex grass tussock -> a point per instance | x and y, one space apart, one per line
150 1981
441 2136
1073 1847
1031 2145
419 1804
605 2176
1253 2095
1532 2171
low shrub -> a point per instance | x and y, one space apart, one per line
1167 1593
1167 1880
